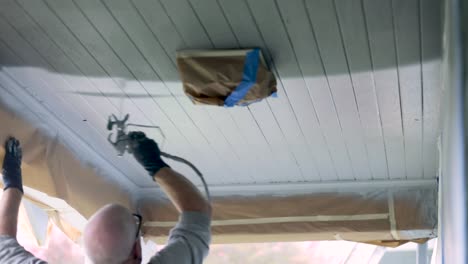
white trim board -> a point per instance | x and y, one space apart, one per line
308 187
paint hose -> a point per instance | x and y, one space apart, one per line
194 168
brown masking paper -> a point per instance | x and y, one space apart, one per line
51 171
209 76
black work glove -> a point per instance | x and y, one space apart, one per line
12 165
146 152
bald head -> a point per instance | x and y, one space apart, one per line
109 236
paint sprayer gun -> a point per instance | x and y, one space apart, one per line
122 140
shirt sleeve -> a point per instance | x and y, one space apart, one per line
13 253
189 241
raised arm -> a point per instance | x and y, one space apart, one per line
189 240
9 207
10 250
183 194
13 188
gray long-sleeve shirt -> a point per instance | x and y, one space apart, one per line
188 243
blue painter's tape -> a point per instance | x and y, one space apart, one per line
249 78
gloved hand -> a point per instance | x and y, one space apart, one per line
12 165
146 152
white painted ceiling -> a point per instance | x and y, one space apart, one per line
358 81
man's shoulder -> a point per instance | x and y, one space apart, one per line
188 242
12 252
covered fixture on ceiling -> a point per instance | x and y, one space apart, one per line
225 77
